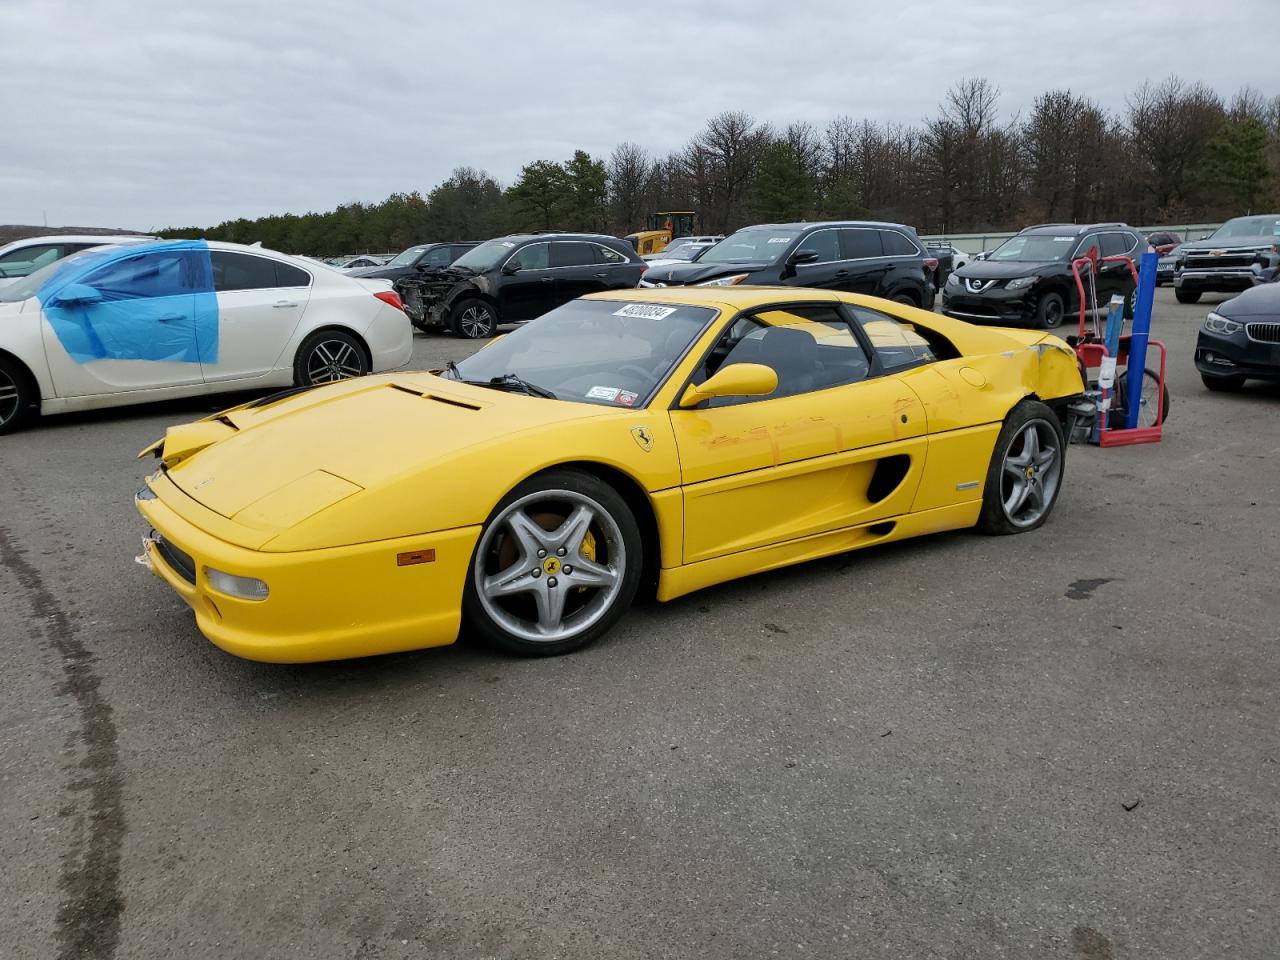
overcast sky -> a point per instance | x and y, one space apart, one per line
144 114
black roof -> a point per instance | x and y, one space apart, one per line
553 234
804 224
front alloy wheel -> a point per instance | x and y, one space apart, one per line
15 402
556 565
474 320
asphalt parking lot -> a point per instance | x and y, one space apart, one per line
1055 745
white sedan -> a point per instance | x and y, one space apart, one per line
119 325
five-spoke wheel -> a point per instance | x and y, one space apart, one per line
556 564
1026 470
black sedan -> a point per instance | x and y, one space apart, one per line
1240 340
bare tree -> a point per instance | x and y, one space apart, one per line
630 172
722 159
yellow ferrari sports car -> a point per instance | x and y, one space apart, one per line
667 439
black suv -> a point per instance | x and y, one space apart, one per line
882 259
517 278
425 256
1028 278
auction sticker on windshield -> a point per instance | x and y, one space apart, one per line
602 393
645 311
779 239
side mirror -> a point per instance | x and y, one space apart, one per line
79 293
735 380
509 268
803 256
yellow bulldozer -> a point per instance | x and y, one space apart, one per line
662 229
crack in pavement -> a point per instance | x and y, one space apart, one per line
88 920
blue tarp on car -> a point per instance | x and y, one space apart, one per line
152 301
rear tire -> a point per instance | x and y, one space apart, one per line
1051 311
906 299
473 319
328 356
1187 296
1025 473
18 400
1223 384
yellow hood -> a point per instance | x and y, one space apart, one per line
269 468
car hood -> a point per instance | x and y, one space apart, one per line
1229 243
685 274
1262 300
1003 270
359 451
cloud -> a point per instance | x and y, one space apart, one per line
145 114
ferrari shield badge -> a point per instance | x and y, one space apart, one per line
642 437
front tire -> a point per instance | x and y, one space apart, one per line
17 400
1051 311
473 319
328 356
1187 296
557 564
1025 473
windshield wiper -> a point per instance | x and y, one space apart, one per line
511 380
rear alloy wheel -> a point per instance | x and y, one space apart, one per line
16 400
1025 472
328 356
1051 310
1187 296
557 564
473 319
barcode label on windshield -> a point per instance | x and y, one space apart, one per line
645 311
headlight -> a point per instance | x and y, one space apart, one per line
1220 324
724 281
245 588
1020 283
953 280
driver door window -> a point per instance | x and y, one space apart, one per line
809 348
532 257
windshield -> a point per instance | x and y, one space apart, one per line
409 256
486 256
683 251
1034 248
755 243
28 286
1248 227
609 352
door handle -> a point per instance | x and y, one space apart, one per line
169 317
548 279
282 304
601 276
842 273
